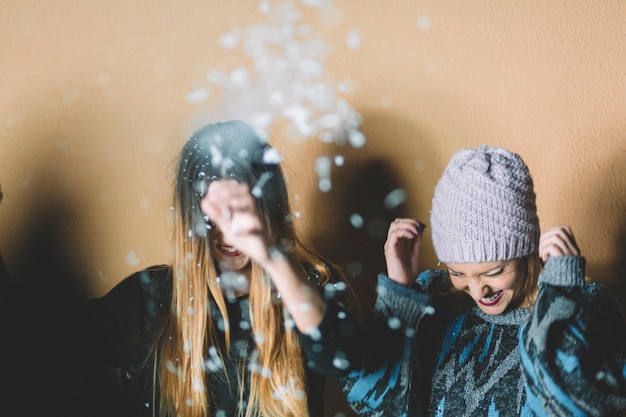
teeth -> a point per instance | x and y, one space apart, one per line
229 249
492 297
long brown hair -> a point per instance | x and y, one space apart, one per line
534 267
217 151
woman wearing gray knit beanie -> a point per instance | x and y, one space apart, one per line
509 328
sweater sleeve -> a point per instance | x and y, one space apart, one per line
573 349
382 381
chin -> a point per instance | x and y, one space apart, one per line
493 311
235 264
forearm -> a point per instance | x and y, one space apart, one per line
300 295
385 380
573 349
332 347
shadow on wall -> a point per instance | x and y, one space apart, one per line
40 298
359 250
599 192
352 227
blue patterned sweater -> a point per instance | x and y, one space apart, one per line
566 356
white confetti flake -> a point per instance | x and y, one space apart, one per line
340 361
424 22
314 333
286 75
395 198
356 220
357 139
230 40
272 156
354 39
103 79
324 185
10 120
197 96
394 323
132 258
316 3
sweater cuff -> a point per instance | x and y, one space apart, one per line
401 302
564 271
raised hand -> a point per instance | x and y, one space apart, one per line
402 250
232 208
558 241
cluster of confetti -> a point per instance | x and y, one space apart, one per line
284 79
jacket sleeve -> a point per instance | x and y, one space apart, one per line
114 326
573 349
382 381
330 347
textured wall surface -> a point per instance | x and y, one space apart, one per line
98 97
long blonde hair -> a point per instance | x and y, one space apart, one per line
277 374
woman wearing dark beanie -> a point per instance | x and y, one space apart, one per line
535 339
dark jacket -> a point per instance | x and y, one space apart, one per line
119 330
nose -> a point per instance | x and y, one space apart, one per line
477 289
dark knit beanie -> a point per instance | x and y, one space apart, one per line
484 209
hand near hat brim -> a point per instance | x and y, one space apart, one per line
402 250
558 241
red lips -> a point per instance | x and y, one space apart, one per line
492 302
227 250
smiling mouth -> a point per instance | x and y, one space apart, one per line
227 250
492 299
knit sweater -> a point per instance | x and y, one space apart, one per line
566 356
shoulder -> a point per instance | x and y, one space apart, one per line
152 284
155 276
324 272
602 299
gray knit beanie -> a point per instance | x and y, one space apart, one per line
484 208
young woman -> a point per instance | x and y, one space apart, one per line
529 340
220 330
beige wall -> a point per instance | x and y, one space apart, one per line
93 110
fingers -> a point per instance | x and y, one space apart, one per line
558 241
403 235
231 206
230 196
405 228
402 250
